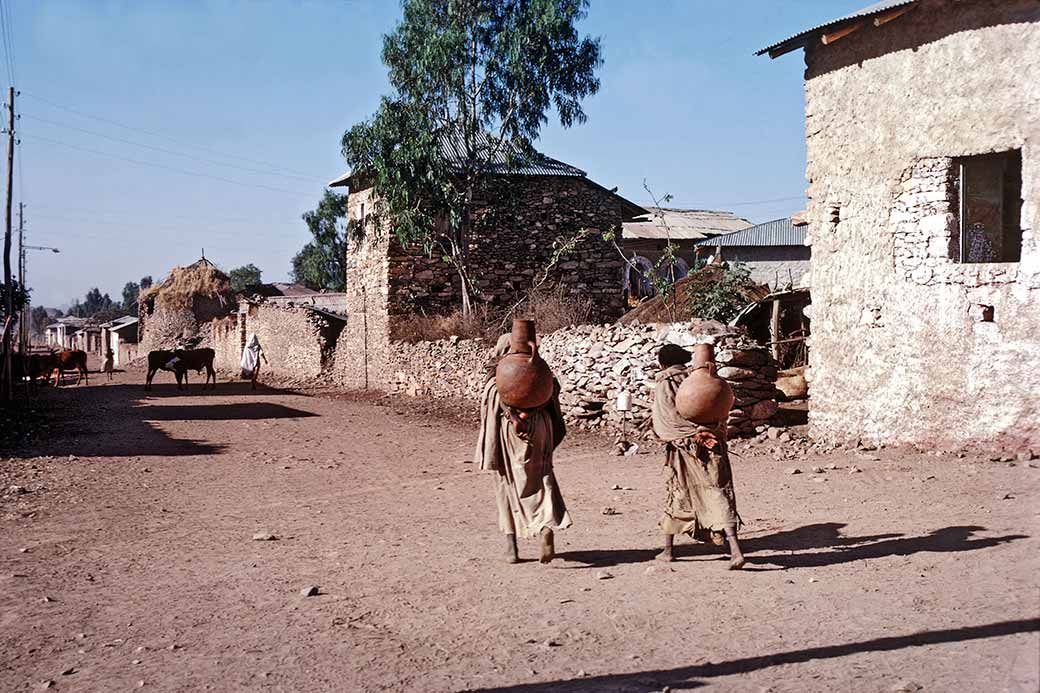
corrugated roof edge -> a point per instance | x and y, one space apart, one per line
800 39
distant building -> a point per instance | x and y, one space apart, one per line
646 237
530 203
923 148
774 252
60 334
120 335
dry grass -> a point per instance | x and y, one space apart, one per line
184 283
551 309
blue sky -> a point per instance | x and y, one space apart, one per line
152 130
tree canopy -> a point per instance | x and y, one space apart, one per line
319 265
480 73
246 275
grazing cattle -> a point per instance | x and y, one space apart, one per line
69 360
179 362
196 360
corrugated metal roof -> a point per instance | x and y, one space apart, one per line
508 159
798 40
682 224
776 232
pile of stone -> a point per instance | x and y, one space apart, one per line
447 368
596 363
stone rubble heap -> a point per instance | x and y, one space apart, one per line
595 363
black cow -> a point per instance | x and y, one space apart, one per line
179 362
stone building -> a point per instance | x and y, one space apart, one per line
645 239
923 147
532 202
774 251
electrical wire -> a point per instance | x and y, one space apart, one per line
193 174
171 151
277 168
5 39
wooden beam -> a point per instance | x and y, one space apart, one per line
830 38
894 14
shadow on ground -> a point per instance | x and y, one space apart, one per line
222 412
686 678
118 420
800 547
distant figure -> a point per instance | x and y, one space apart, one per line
110 363
251 356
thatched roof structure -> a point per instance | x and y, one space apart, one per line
184 284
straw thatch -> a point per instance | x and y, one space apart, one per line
184 284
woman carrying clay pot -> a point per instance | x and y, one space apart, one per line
699 482
516 443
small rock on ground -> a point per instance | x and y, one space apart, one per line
310 591
264 536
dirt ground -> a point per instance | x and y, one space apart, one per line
128 559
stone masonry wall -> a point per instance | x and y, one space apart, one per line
298 342
593 364
364 344
510 244
909 345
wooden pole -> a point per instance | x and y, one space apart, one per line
9 298
23 320
774 329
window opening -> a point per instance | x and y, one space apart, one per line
990 207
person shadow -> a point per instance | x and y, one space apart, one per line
809 546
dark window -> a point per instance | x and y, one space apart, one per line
990 207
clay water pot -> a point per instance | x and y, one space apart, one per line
523 378
704 397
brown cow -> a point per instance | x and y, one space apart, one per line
68 360
179 362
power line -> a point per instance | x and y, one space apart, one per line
716 205
131 216
6 38
278 168
155 225
173 152
193 174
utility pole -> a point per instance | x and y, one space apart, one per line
9 298
23 323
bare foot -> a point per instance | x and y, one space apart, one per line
548 546
666 556
737 562
511 555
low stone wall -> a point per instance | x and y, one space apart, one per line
299 343
594 364
448 368
226 341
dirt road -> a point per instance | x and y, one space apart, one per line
128 558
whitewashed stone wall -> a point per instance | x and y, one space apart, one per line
909 346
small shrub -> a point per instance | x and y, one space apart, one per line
723 299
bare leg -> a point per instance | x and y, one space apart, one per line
548 545
511 554
666 552
736 556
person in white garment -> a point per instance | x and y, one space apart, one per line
251 356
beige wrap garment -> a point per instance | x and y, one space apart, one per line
698 479
526 491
